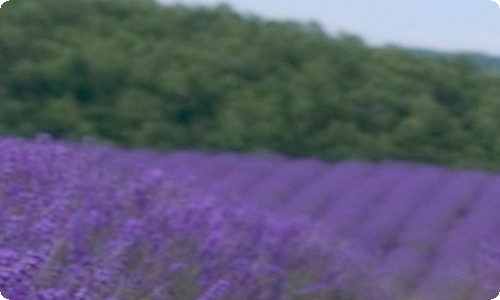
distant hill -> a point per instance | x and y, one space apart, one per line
481 61
138 74
485 62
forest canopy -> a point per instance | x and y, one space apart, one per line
135 73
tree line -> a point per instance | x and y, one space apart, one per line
135 73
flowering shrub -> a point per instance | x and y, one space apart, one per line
89 222
432 233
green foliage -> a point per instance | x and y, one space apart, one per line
482 61
138 74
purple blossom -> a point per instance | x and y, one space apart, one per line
94 222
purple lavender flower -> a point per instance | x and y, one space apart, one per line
216 291
94 222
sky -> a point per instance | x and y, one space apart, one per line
2 2
443 25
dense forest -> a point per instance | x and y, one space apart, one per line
483 62
135 73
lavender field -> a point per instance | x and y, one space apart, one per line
81 221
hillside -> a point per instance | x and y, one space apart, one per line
137 74
481 61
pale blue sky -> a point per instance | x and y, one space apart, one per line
449 25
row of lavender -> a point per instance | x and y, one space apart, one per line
435 232
88 222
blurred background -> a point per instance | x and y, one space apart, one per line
446 25
415 80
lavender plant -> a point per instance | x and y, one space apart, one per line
426 222
94 222
89 222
